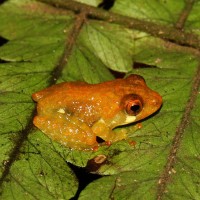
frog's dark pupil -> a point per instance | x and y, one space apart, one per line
135 108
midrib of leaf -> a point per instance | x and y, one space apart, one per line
56 73
16 150
70 41
171 160
178 36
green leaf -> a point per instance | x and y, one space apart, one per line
166 12
47 44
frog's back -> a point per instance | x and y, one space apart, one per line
65 87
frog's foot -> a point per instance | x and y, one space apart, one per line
113 137
119 134
72 133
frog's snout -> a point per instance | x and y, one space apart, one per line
157 100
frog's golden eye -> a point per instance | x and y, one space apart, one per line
133 104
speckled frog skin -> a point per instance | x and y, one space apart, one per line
75 113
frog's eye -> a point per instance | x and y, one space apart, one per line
133 104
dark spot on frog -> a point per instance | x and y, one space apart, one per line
100 140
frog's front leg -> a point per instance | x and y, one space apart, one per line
68 130
104 131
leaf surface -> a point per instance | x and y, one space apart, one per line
47 44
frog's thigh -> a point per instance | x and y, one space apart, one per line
102 130
68 131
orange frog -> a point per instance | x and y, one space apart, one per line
75 113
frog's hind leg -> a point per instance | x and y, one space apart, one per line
70 132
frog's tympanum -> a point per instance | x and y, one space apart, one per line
76 113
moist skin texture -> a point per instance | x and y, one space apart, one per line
75 113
